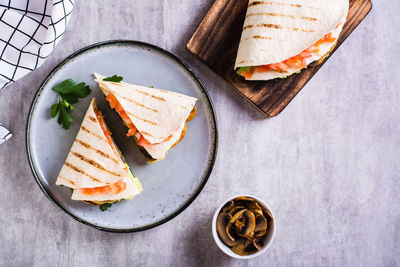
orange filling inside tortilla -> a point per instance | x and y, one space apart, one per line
106 131
114 188
298 62
117 106
118 186
141 141
114 103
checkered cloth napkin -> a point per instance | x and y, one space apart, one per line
4 134
29 31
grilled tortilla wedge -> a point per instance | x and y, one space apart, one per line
156 118
95 168
282 37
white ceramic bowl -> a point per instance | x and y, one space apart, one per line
225 248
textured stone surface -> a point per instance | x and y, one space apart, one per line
328 165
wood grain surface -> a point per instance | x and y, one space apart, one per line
216 41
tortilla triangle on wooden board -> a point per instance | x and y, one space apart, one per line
156 116
292 32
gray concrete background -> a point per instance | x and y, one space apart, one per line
328 165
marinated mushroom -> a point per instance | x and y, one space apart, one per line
261 225
258 243
231 227
250 203
241 249
235 209
242 224
231 233
246 224
244 200
228 206
245 248
222 221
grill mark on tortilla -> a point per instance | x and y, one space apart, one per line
139 91
281 15
146 133
255 37
183 107
137 103
310 18
93 119
94 163
270 14
168 92
139 118
276 26
92 133
256 3
150 95
119 84
105 155
76 169
302 30
68 180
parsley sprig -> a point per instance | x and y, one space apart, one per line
105 206
68 93
114 78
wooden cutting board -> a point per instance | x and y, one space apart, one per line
216 41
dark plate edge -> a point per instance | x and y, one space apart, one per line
192 197
240 93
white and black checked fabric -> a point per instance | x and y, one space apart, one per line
29 31
4 134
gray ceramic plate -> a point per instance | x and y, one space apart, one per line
169 186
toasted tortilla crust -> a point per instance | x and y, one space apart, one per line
98 203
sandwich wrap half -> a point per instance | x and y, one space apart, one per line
281 37
94 167
156 118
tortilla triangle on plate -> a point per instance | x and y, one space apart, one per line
94 167
156 118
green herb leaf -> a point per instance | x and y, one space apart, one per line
72 190
80 90
70 99
69 88
63 87
67 105
114 78
68 93
241 69
105 206
54 110
64 119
